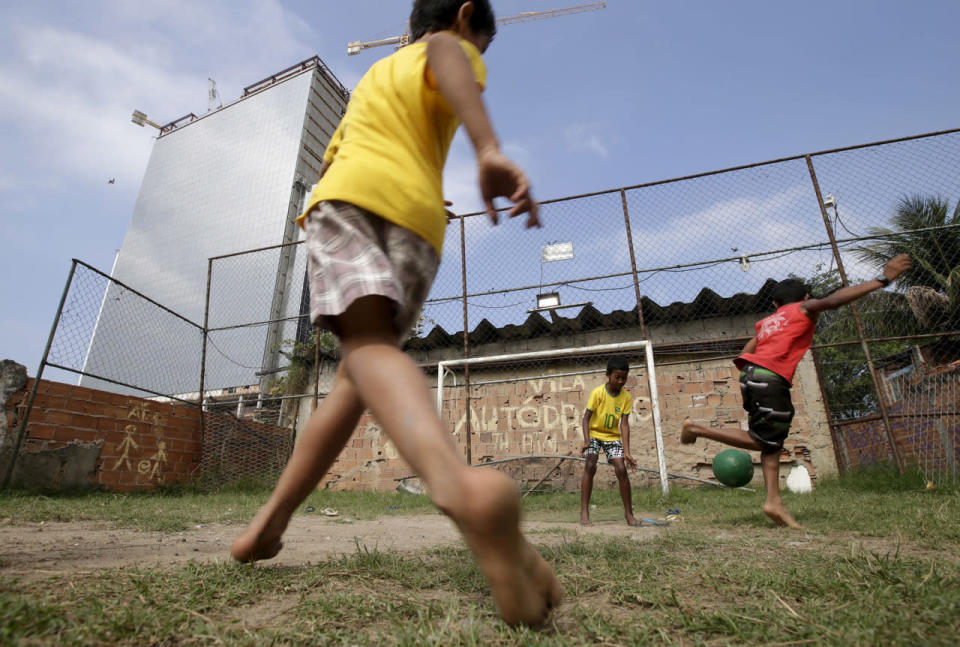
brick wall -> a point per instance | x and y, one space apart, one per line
142 444
709 393
932 442
542 416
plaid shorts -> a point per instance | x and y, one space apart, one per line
612 448
353 253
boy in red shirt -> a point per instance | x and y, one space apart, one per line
767 364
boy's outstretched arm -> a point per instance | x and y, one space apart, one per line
585 427
625 439
498 176
892 270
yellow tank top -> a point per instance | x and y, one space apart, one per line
388 152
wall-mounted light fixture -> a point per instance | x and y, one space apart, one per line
548 300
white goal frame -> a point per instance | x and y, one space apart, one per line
444 365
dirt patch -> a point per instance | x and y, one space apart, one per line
51 548
38 550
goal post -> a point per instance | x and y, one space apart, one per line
444 366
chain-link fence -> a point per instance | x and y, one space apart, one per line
688 264
258 357
676 257
111 337
108 333
887 360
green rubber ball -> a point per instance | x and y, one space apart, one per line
733 467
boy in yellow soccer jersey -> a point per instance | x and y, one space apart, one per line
605 427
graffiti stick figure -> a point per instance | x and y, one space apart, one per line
125 445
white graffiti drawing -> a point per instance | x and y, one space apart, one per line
151 466
125 446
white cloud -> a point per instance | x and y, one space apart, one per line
460 177
235 36
70 94
585 137
749 224
73 101
519 153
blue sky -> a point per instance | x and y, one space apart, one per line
636 92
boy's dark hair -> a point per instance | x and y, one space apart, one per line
789 291
617 364
436 15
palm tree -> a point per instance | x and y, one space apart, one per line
928 301
844 371
925 228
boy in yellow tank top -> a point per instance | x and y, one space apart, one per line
374 227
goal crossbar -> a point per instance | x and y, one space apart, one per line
445 365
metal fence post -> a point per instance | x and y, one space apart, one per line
839 451
466 338
881 402
633 264
22 429
203 361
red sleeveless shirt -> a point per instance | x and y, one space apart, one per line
782 339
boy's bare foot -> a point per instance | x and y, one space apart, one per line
687 437
523 585
780 516
585 519
631 520
259 540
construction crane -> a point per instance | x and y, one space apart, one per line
358 46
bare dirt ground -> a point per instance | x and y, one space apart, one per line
39 550
50 548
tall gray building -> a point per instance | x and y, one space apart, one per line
229 181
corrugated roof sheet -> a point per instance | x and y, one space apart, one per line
707 304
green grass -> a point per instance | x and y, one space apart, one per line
178 509
875 503
878 565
